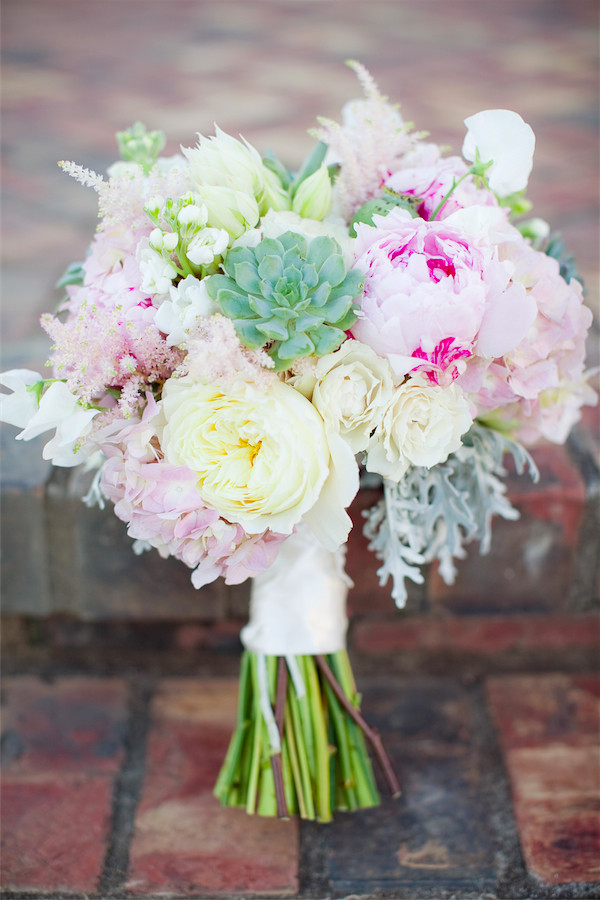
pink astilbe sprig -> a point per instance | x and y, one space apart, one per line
101 349
216 355
122 197
367 146
163 508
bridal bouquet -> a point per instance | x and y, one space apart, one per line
241 339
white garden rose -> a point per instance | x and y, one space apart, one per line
353 387
421 426
262 456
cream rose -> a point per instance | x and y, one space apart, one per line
353 387
421 426
262 456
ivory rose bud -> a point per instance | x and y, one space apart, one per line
421 426
353 386
262 456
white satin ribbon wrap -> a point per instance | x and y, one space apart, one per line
298 605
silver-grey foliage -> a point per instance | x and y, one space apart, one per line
433 513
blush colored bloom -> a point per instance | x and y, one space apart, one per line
430 290
538 387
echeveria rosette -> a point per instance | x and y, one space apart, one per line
291 296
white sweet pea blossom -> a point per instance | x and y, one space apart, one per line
502 137
19 407
188 302
207 244
60 409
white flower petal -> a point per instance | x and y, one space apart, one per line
502 136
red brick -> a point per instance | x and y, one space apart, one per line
184 840
533 709
62 747
71 725
475 634
54 831
561 838
549 729
558 496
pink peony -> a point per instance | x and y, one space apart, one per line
435 297
425 174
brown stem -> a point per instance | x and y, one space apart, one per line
370 733
282 680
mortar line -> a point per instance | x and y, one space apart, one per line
128 787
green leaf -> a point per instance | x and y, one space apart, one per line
246 276
73 274
337 308
321 248
333 271
320 296
274 164
310 165
273 330
261 306
296 346
248 333
327 339
270 268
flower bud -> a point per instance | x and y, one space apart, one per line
313 197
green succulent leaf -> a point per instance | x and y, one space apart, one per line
246 276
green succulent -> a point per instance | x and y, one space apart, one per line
289 295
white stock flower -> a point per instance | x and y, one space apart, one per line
189 301
262 456
60 409
353 387
422 425
207 244
20 406
157 273
502 137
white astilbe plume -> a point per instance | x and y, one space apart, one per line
366 146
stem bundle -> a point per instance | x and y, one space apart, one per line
320 761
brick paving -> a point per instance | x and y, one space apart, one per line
119 687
